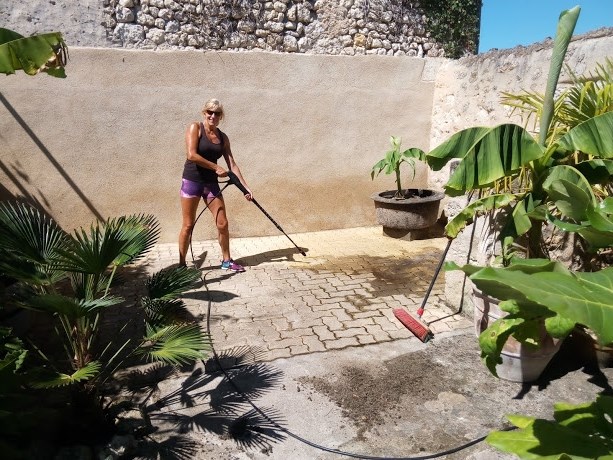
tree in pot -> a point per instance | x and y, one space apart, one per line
403 210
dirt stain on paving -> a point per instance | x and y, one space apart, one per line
408 273
395 391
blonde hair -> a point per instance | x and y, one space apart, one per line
215 106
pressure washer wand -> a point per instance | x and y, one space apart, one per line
234 180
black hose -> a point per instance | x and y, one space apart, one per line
233 179
304 440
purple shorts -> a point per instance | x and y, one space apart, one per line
191 189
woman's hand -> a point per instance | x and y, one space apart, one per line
220 171
249 196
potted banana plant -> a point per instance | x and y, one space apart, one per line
530 183
403 210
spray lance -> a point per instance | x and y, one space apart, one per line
235 181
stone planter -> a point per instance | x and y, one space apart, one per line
520 363
418 211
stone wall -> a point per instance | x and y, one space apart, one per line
391 27
348 27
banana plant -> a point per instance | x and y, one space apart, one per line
533 292
392 161
508 163
537 290
38 53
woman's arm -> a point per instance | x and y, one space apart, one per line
232 166
192 137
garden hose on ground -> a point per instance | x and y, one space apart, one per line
270 419
300 438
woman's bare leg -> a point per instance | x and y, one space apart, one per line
218 209
189 206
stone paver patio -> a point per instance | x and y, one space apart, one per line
341 295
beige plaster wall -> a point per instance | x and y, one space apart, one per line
109 139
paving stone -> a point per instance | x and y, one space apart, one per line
341 343
333 323
366 339
323 333
313 343
351 332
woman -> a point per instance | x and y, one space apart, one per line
205 145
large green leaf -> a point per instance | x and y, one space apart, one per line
594 137
596 171
493 339
585 298
570 191
564 32
475 209
596 239
38 53
580 431
488 154
595 227
455 147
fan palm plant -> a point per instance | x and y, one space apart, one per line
70 278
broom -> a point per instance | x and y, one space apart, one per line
416 325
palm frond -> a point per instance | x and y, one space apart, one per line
70 307
32 236
91 252
140 232
176 344
113 243
44 378
170 283
87 285
159 312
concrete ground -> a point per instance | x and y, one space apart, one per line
316 366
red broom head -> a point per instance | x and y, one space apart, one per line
416 326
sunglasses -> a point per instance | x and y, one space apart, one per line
211 112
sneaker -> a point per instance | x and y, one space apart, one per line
231 265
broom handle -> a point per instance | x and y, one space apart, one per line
420 311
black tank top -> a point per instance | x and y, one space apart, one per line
209 151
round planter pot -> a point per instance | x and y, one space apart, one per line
418 211
520 363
